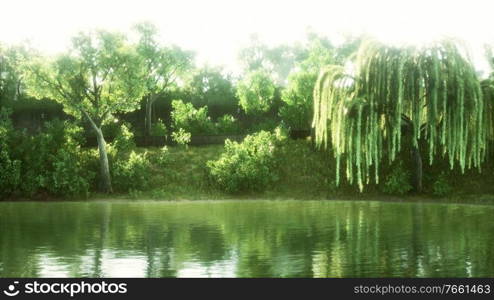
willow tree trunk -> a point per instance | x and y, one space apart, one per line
105 184
417 165
149 114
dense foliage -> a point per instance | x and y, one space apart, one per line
248 166
211 87
398 181
9 167
49 162
161 66
227 124
159 129
256 92
99 77
298 100
369 104
191 119
441 187
181 137
130 170
433 92
53 162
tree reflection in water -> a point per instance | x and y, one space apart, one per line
245 239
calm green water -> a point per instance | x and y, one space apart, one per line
245 239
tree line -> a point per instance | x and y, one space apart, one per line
103 74
429 97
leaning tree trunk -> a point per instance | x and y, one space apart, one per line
105 184
417 165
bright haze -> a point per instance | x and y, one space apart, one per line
217 29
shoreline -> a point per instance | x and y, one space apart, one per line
481 199
184 178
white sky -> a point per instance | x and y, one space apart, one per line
217 29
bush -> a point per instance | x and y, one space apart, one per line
163 157
398 181
63 182
131 173
9 174
248 166
9 168
129 169
124 140
181 137
195 121
110 128
53 162
227 125
441 186
159 129
297 117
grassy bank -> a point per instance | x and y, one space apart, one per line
299 172
303 174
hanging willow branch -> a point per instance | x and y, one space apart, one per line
488 94
433 91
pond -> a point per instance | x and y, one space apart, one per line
245 239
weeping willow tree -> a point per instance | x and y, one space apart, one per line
428 95
488 93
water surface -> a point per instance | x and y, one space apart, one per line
246 239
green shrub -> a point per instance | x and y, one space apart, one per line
248 166
441 187
296 116
280 133
195 121
111 128
227 125
163 157
9 173
9 167
124 140
398 181
181 137
159 129
53 162
131 173
67 162
130 170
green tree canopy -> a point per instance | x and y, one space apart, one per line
316 53
162 65
256 92
212 87
98 77
11 58
298 100
277 60
431 91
